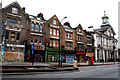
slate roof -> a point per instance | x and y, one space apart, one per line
103 28
67 25
35 17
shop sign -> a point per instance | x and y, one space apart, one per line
52 50
89 54
38 48
9 55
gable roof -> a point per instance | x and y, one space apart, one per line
53 17
78 27
15 2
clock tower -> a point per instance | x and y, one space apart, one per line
105 19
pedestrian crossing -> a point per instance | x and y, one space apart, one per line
98 68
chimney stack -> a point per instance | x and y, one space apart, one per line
40 15
23 9
67 23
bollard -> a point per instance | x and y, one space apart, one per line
75 63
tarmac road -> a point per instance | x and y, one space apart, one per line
104 71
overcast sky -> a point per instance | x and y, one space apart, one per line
84 12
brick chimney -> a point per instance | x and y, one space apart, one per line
40 15
23 9
67 23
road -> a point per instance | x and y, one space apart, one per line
104 71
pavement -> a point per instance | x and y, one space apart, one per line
11 67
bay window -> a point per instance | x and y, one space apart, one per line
32 38
50 30
41 28
36 39
32 27
54 33
7 35
12 36
57 32
13 22
18 23
8 21
37 27
18 36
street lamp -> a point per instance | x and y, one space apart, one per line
59 41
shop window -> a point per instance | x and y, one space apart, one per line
8 21
53 57
41 28
57 43
57 32
54 33
19 23
54 43
50 30
13 22
32 27
50 42
36 39
37 27
14 10
12 36
54 22
18 36
7 35
32 38
49 57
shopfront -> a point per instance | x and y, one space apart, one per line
13 52
39 53
68 56
81 57
90 58
52 55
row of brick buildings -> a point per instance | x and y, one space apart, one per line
21 30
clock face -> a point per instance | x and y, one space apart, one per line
105 20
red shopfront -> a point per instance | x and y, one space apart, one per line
81 57
90 58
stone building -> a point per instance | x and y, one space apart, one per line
105 42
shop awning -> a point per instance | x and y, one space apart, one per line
90 54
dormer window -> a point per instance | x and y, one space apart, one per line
80 30
14 10
54 22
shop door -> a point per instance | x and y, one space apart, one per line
37 58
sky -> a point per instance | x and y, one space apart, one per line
84 12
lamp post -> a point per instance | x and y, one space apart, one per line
59 41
